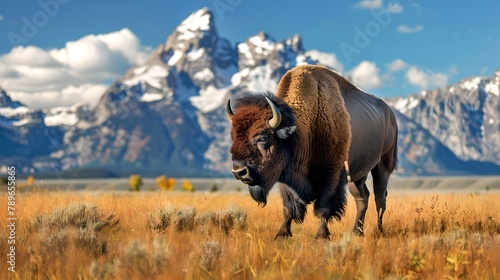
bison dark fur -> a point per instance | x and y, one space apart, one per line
301 137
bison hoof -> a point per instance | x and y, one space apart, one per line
358 232
322 234
283 233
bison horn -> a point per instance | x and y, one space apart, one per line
229 112
276 120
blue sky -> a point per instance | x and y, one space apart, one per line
424 44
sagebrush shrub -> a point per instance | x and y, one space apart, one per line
81 224
160 219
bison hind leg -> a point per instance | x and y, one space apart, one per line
361 194
380 175
380 180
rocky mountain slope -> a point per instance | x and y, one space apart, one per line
167 116
420 153
23 133
463 117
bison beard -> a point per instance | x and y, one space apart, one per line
259 194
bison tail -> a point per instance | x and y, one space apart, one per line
346 166
390 159
395 156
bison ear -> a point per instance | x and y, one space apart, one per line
285 132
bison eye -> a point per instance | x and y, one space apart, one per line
260 139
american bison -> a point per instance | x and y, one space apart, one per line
301 139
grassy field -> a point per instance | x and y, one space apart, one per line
224 235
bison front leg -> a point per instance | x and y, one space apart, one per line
285 229
330 203
323 232
294 208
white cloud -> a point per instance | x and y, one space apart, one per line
68 96
397 65
125 42
415 75
7 72
29 56
369 4
57 77
366 75
1 17
329 60
406 29
425 79
395 8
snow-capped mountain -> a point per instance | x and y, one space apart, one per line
263 60
420 153
156 117
167 116
463 117
14 113
65 117
23 134
28 136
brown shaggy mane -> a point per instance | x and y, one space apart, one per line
259 100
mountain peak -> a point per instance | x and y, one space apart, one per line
496 76
263 40
196 32
200 20
198 26
264 36
258 46
6 101
295 42
493 86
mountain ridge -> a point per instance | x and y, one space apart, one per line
167 116
463 116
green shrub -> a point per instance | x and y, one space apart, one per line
135 182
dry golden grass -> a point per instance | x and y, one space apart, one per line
178 235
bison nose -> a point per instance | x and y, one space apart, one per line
242 173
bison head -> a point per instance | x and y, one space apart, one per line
262 146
